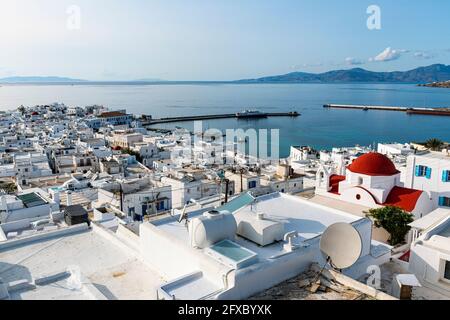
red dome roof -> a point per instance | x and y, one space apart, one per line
373 164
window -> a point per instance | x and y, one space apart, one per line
251 184
447 270
446 176
160 206
444 202
423 171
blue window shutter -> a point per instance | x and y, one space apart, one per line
441 201
444 176
417 171
428 173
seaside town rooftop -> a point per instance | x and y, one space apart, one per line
77 264
279 214
96 206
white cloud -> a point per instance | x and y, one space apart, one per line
389 54
353 61
423 55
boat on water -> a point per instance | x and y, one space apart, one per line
251 114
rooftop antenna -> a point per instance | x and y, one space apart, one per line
254 206
183 216
341 244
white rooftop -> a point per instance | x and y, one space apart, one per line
112 270
307 218
431 219
436 155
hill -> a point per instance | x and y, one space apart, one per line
433 73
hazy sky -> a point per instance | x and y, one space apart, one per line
216 39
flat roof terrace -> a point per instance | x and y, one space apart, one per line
115 272
307 218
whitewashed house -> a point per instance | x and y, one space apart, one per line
32 203
430 172
429 258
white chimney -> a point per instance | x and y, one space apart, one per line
69 198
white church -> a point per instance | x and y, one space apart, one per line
372 180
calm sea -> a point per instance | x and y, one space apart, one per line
317 127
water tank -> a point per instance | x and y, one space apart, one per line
212 227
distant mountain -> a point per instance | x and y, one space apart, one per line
433 73
38 80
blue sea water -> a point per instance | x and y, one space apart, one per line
317 127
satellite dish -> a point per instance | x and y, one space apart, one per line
341 244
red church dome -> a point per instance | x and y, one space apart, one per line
373 164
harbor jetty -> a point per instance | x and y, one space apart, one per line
407 110
149 121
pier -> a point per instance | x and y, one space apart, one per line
218 116
407 110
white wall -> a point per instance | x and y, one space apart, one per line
426 264
435 187
173 258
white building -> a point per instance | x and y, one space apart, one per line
244 181
32 203
430 256
282 179
188 185
136 198
372 180
126 140
430 172
250 245
395 149
302 154
147 151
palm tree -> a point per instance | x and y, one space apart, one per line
434 144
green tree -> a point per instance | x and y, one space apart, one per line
394 220
8 187
434 144
132 153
